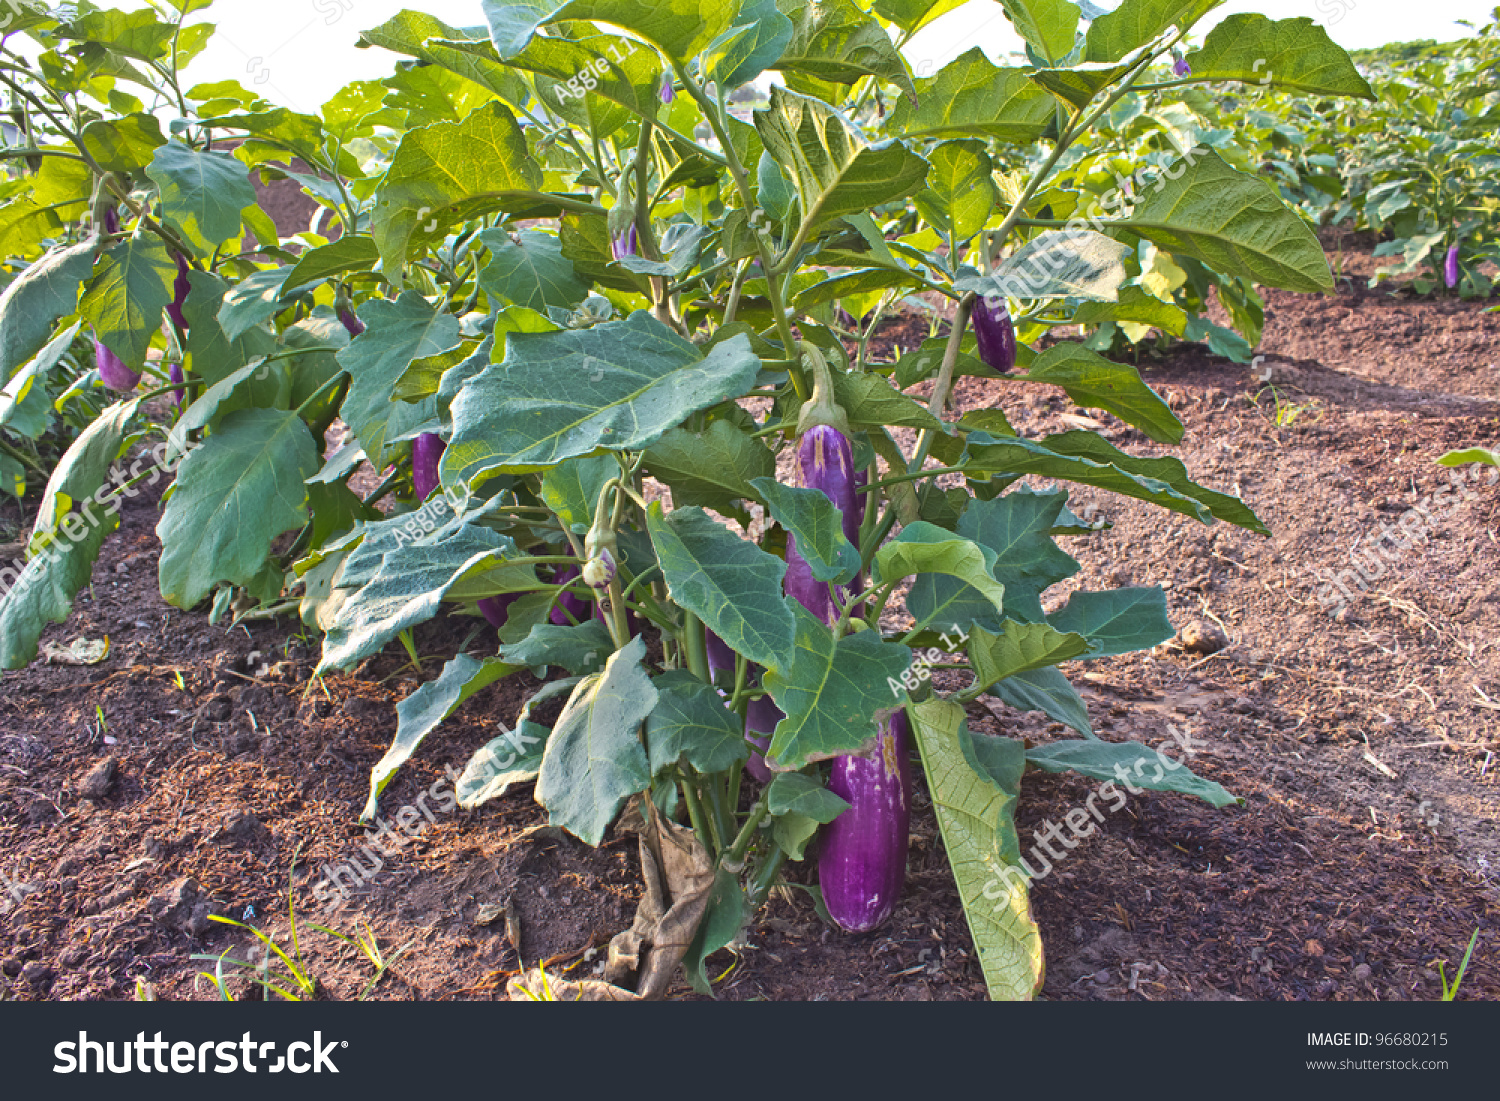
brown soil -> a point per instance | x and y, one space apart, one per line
1362 741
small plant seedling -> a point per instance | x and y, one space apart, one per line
1451 992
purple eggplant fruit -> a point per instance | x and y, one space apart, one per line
862 863
112 370
351 322
496 609
760 723
426 452
180 289
174 372
995 335
1450 268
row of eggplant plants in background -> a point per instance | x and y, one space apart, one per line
576 310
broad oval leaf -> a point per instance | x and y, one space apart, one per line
1116 621
1287 53
202 194
1018 648
817 524
690 721
1114 34
530 271
125 299
45 291
595 760
970 97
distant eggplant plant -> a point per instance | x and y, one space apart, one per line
573 359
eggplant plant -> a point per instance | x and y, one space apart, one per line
576 324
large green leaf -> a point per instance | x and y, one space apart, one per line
202 194
529 271
924 548
594 759
977 818
680 27
1116 621
834 40
1123 762
1233 222
832 693
406 587
1286 53
1061 264
691 722
1114 34
71 526
728 582
578 648
1046 690
960 188
428 39
554 396
571 489
970 97
797 793
1088 459
1019 648
912 15
753 43
836 171
25 407
1094 382
253 301
448 171
237 491
210 354
1048 26
396 333
125 299
817 524
713 468
1137 306
425 709
355 252
45 291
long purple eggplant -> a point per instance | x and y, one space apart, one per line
862 865
426 452
1450 268
995 335
496 609
112 370
174 372
180 290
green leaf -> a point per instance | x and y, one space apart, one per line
924 548
578 648
45 291
1060 264
1469 455
728 582
124 144
352 253
425 709
515 757
396 333
870 401
836 171
238 490
252 302
401 586
571 489
210 354
796 793
818 526
1077 86
257 385
531 272
1137 306
620 385
725 916
1087 459
977 819
25 406
960 191
851 283
680 27
1116 621
1017 527
1048 26
1093 382
970 97
792 832
594 759
71 525
1123 762
202 194
714 468
832 694
1134 23
1019 648
125 299
420 35
691 721
1286 53
681 243
836 41
1233 222
446 172
912 15
754 43
1048 691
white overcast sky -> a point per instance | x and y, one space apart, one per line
298 52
